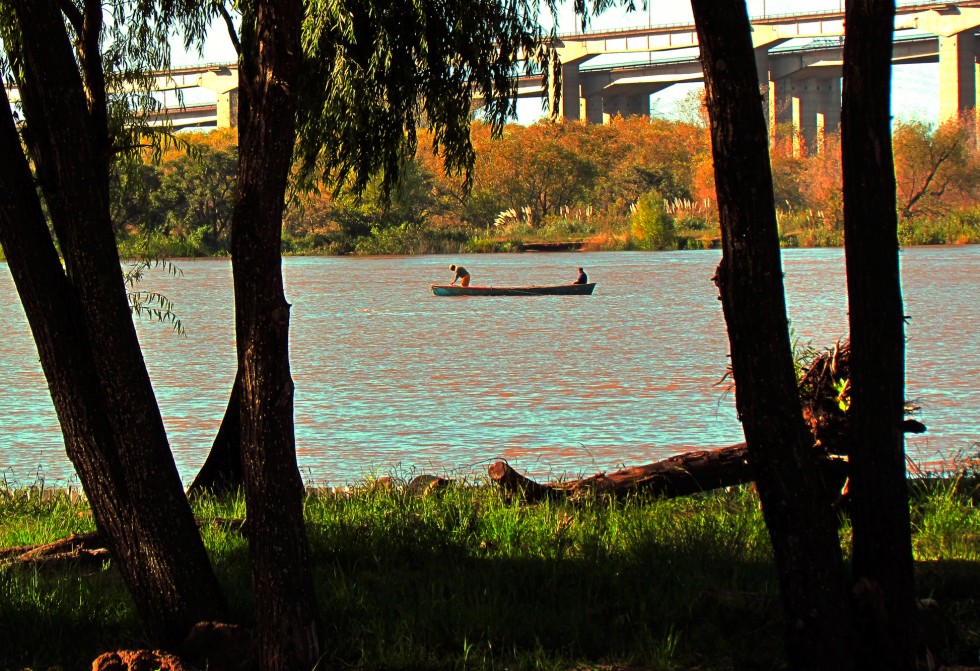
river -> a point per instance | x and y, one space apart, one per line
392 380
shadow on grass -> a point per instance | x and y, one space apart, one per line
551 588
466 581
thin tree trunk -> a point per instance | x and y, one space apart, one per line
801 524
222 470
85 337
883 564
285 605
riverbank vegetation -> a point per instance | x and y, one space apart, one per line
631 184
465 578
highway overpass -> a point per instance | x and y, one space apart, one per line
799 59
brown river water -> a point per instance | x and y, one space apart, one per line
392 380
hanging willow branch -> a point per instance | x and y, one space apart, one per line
151 304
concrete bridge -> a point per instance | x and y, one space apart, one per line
799 59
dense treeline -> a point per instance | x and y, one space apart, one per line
632 184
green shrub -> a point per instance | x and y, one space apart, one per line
408 239
963 227
481 245
921 232
157 245
653 227
316 244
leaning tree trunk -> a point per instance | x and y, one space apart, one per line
84 332
801 524
285 606
222 470
883 565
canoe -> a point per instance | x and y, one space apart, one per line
554 290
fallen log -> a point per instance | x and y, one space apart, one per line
86 549
72 544
90 547
679 475
511 481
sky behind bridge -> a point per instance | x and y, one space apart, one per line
915 87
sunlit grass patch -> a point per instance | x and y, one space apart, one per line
464 576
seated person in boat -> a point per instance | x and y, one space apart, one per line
582 277
461 274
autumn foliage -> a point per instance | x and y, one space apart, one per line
599 186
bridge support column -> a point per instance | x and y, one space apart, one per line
228 109
592 109
829 103
957 74
780 102
626 104
815 104
767 87
223 82
571 85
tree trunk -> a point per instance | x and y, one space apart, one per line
222 470
285 606
84 332
883 564
801 525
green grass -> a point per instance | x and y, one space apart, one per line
464 579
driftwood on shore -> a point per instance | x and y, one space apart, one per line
87 548
679 475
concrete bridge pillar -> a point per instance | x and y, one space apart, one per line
766 87
592 108
811 104
780 102
228 109
957 74
573 104
626 104
570 107
223 82
829 103
603 97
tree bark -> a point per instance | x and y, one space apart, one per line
801 525
883 563
84 332
222 470
286 609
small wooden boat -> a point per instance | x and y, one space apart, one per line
554 290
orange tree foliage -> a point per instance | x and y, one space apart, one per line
544 167
568 174
936 170
656 155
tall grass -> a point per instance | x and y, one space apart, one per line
53 617
466 579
